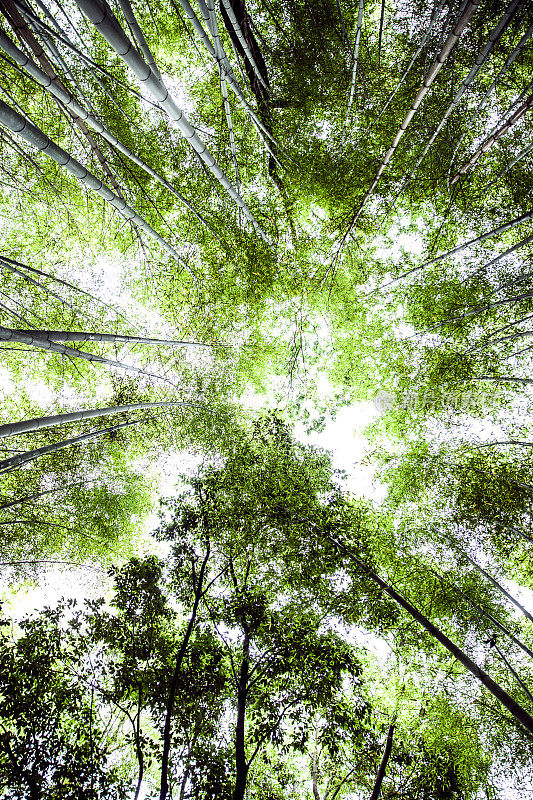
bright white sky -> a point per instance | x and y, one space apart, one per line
343 437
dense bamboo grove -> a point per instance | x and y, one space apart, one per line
304 206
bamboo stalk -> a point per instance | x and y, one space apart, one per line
90 336
482 610
429 78
380 34
355 61
138 35
522 154
479 63
9 263
93 65
12 335
37 423
498 586
223 88
518 712
31 497
244 44
34 136
39 285
436 11
9 464
514 672
518 114
60 93
20 25
101 16
494 232
510 59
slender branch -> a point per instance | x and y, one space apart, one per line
376 791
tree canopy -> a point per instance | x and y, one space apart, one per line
296 206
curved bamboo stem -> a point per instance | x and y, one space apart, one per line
9 464
429 78
58 91
34 136
101 16
28 425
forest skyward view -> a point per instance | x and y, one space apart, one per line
237 238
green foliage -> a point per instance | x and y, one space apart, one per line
246 633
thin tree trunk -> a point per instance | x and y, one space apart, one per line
343 26
380 34
25 35
53 53
240 752
511 337
93 65
520 352
39 285
198 27
514 673
519 713
224 89
140 761
19 562
260 92
14 314
506 327
198 592
11 140
264 133
502 379
376 791
355 61
513 249
498 586
20 26
516 299
500 229
522 154
525 649
316 793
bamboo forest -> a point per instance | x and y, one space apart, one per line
266 432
